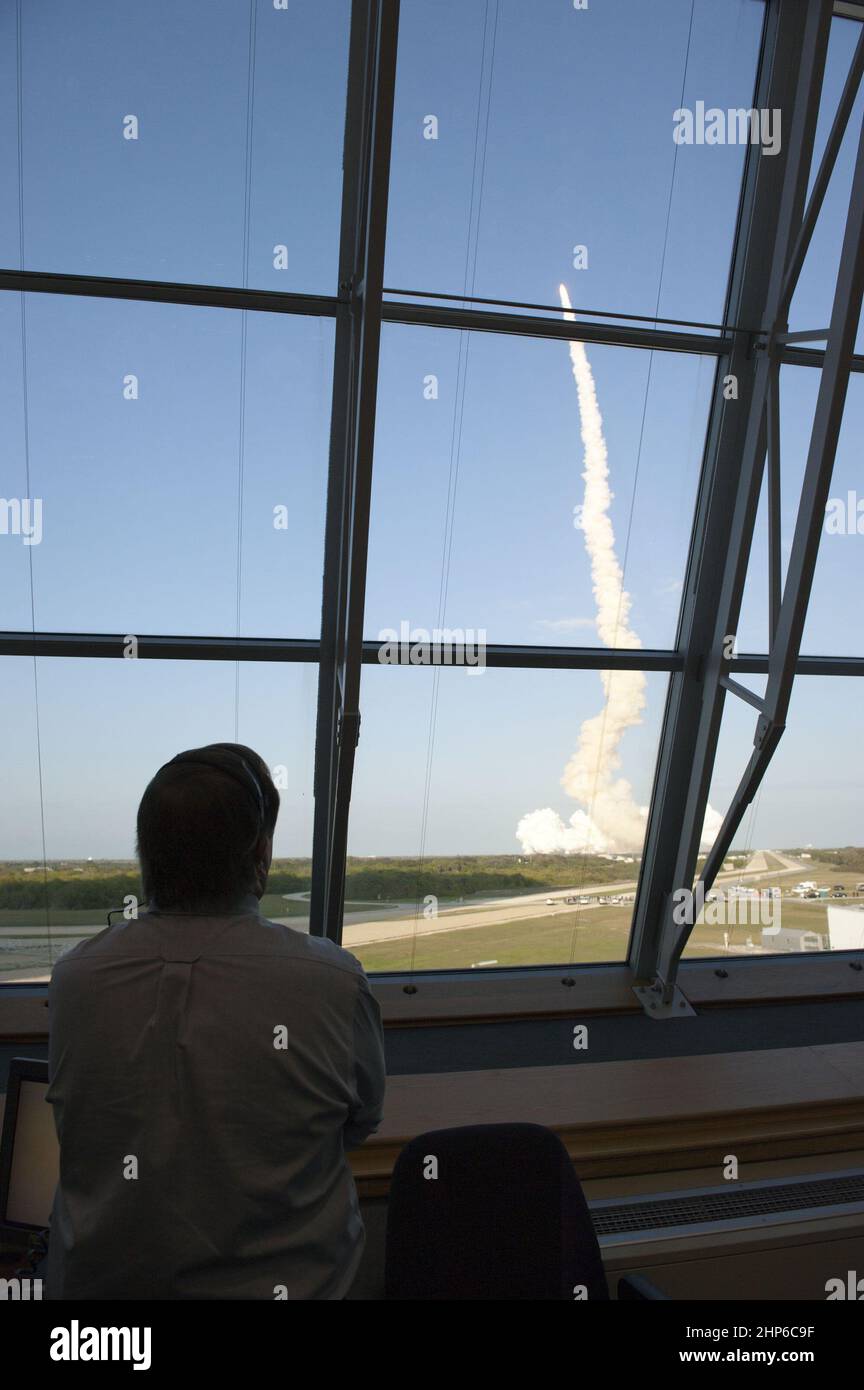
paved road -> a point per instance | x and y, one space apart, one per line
499 911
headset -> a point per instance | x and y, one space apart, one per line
221 756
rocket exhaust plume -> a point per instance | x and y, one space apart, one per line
610 819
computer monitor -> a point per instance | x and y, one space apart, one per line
29 1153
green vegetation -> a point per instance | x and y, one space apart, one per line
456 877
850 858
104 884
55 893
596 935
100 885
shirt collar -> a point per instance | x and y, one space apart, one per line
244 906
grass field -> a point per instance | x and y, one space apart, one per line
530 941
598 935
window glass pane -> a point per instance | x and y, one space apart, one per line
523 132
152 148
814 294
104 728
833 622
831 627
801 837
752 630
164 442
481 476
492 811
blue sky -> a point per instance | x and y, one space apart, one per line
140 496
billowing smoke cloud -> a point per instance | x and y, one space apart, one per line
611 821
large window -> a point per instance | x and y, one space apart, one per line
336 342
498 815
82 740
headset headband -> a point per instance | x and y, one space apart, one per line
216 756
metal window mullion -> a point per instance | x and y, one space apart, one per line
580 330
823 174
355 169
182 647
363 446
789 626
168 292
824 437
369 122
156 647
808 357
590 330
775 566
772 204
805 111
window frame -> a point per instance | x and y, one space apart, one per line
360 306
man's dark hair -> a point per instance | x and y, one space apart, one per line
199 823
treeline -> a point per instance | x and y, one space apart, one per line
849 857
102 886
54 892
367 885
401 885
407 880
104 892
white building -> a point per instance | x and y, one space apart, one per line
791 939
846 928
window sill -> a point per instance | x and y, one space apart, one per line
658 1115
474 996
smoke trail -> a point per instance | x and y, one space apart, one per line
612 821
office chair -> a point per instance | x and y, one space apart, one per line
493 1212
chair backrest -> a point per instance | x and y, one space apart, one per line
490 1212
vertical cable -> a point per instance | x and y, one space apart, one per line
26 404
241 444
